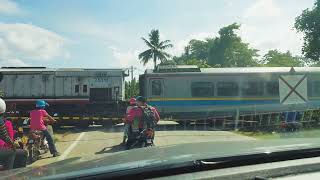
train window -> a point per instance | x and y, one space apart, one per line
228 89
202 89
315 88
273 88
76 88
252 88
156 88
85 88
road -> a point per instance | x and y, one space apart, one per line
88 144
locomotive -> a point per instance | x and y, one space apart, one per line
71 92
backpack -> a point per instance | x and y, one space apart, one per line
148 117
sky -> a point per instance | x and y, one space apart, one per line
107 33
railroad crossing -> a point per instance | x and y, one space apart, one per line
97 141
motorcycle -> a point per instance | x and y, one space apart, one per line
36 146
141 139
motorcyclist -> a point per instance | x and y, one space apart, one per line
10 157
139 111
20 154
132 104
38 118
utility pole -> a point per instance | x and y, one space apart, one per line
131 87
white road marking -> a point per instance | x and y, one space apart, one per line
70 148
283 146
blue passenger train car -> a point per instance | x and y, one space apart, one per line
189 91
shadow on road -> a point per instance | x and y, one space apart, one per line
116 148
58 163
171 126
64 162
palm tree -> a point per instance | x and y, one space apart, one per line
156 49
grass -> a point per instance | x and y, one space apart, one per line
260 134
305 133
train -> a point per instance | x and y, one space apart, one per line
86 96
70 92
183 92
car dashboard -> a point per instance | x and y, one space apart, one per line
308 168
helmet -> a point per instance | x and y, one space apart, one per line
141 99
41 104
2 106
132 101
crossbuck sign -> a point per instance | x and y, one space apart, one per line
293 89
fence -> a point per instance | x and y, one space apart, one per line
270 121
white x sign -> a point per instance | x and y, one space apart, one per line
293 89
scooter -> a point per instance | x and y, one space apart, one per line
140 139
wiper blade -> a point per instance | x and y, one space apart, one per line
212 164
201 162
258 158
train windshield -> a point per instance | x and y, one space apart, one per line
94 87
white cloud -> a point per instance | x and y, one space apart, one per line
25 41
263 8
287 40
229 3
9 7
281 38
12 63
180 45
125 59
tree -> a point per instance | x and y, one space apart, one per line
169 62
134 84
274 58
198 49
240 55
200 64
228 50
309 24
156 49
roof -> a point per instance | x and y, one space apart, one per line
246 70
44 69
177 68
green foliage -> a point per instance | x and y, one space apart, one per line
240 55
156 49
274 58
186 60
198 50
200 64
316 64
135 88
309 24
169 62
228 50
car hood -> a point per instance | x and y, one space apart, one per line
155 156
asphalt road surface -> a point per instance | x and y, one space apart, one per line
94 141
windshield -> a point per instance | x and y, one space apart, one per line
110 85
